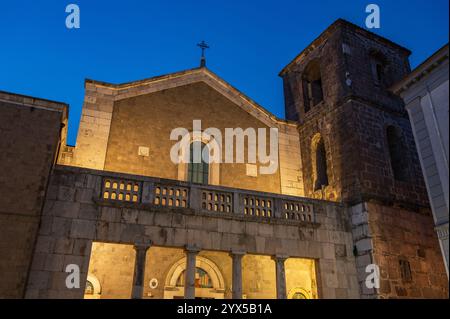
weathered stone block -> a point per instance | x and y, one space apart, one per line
63 246
82 229
54 262
84 195
165 220
82 247
328 251
39 280
89 212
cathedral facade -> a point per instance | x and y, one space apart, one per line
345 201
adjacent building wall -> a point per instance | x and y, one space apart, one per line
426 93
30 135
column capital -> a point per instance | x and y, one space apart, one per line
143 245
279 258
237 253
192 249
142 242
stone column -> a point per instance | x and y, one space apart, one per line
195 198
189 280
237 274
139 270
281 276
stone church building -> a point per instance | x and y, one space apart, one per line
347 193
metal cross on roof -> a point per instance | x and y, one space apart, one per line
202 45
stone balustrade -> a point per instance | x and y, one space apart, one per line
85 206
206 198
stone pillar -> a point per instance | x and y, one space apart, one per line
237 207
281 276
237 274
189 280
195 197
139 270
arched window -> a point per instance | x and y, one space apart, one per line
397 153
198 167
320 169
312 85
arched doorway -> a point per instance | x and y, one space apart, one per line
209 281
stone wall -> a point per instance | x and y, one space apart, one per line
75 216
148 120
30 130
358 158
386 235
402 234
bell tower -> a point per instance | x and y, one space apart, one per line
357 147
356 138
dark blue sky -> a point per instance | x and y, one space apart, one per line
251 41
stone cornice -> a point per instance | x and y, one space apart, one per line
422 70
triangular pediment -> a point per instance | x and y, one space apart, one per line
174 80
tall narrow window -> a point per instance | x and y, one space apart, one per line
378 72
198 168
320 165
405 270
378 64
312 85
397 154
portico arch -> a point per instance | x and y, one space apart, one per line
217 291
298 293
93 288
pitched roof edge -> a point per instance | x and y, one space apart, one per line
206 71
143 81
250 100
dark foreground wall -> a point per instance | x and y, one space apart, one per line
30 130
